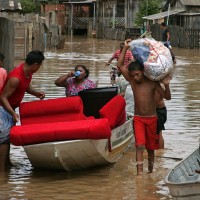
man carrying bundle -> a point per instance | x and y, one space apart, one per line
145 118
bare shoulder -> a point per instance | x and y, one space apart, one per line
12 82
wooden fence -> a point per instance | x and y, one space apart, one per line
19 36
114 34
7 41
121 33
180 37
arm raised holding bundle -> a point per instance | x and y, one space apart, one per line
120 64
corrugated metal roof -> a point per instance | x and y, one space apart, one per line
163 14
190 2
11 5
189 14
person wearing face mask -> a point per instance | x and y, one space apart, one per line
75 81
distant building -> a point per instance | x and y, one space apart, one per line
10 6
54 14
184 13
18 34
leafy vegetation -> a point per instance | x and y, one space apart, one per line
30 6
147 7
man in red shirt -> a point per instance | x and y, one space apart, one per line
128 58
16 84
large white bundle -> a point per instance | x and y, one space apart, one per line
155 57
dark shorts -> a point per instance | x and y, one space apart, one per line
162 118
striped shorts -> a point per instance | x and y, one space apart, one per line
6 122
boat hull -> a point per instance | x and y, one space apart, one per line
183 181
81 154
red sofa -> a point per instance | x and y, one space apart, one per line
63 119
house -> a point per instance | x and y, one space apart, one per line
12 6
85 16
183 20
18 34
8 10
115 17
191 17
184 13
80 15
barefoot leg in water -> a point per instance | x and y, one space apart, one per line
150 160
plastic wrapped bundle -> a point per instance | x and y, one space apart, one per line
122 84
155 57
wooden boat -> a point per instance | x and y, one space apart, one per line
104 142
183 180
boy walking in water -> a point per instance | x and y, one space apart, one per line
145 118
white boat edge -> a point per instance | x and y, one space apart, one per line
186 189
81 154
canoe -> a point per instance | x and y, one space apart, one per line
182 180
74 133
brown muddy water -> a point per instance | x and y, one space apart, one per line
118 181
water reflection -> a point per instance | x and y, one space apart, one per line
117 181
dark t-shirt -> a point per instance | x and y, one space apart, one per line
164 34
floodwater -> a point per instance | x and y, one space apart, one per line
118 181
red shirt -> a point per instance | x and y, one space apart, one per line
24 82
128 56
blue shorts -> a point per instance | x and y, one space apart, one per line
6 122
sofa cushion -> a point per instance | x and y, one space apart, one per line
54 118
51 110
60 131
114 111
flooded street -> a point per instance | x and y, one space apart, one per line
118 181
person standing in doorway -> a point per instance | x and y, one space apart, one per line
16 85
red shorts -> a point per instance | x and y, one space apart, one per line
145 129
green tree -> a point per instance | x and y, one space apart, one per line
147 7
30 6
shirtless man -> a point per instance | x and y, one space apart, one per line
145 118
